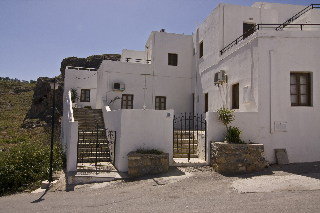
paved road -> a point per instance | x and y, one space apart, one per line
185 190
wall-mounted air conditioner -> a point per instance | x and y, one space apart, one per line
118 86
220 77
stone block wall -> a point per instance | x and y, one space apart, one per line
232 159
146 164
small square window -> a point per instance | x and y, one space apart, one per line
161 103
173 59
85 95
127 101
248 29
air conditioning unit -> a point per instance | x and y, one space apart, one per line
220 77
118 86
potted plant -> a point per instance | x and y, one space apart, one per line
74 97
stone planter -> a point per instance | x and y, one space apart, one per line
234 159
146 164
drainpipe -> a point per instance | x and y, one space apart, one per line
153 68
270 89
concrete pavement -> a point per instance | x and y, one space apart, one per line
182 190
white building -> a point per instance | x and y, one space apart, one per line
161 73
272 73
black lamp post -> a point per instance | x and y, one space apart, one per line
52 129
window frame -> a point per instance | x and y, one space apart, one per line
173 59
298 85
84 96
235 96
158 102
201 49
125 102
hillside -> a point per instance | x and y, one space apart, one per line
16 98
24 144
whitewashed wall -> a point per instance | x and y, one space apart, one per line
174 82
275 55
82 79
148 129
133 55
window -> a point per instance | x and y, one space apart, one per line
300 89
173 59
85 95
160 103
127 101
201 49
206 102
248 29
235 96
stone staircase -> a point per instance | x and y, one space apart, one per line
181 144
88 118
93 145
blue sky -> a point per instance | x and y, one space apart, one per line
35 35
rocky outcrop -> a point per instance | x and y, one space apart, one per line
41 107
93 61
231 159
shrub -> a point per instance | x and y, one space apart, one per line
25 164
225 115
233 134
149 151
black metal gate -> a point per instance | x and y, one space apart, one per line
188 131
96 145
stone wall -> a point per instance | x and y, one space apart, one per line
237 158
145 164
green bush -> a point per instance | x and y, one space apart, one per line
233 135
225 115
25 164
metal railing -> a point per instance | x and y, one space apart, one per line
188 129
94 145
296 16
260 27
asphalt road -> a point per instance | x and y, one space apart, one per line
185 190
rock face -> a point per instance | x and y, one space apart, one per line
41 107
233 159
93 61
144 164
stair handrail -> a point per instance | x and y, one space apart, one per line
69 107
297 15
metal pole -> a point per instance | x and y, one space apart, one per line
52 130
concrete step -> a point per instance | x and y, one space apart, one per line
92 155
184 141
184 155
93 146
93 159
